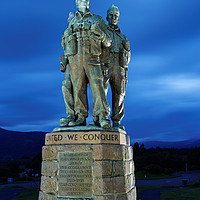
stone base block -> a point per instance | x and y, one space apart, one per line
87 172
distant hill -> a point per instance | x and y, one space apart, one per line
15 145
179 144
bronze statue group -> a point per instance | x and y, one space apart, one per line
96 54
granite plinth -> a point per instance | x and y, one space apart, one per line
75 169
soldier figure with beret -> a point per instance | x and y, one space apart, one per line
115 60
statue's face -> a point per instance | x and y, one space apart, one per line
83 4
113 18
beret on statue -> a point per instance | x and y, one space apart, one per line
114 10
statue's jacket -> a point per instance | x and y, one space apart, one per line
120 47
79 31
115 60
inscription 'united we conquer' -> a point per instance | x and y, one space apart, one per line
90 137
75 174
84 137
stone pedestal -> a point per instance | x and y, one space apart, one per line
93 165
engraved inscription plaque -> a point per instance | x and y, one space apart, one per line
75 174
95 137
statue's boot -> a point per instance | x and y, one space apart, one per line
81 121
64 121
95 122
105 123
117 124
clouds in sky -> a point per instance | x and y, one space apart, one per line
163 92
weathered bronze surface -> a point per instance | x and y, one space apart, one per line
87 128
115 60
82 41
98 55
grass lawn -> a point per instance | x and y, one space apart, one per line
28 194
181 194
141 176
190 193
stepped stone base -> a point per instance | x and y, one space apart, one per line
101 171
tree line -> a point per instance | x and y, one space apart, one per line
165 160
153 160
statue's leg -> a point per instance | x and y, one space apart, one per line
107 72
118 86
79 82
67 91
106 78
100 104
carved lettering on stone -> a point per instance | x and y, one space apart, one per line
75 174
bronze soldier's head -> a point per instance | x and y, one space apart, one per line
83 4
113 15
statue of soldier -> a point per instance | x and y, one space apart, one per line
67 88
85 35
115 60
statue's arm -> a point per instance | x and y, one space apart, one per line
125 52
63 42
106 39
68 31
64 58
126 45
100 29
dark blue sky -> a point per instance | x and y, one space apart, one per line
163 92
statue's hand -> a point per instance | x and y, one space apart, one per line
63 64
96 30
